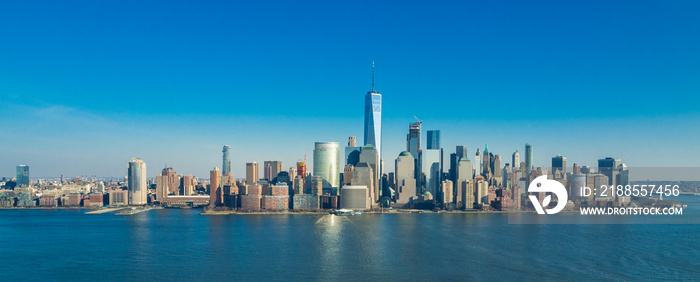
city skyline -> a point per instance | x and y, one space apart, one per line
69 110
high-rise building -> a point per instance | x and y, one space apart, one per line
477 162
413 147
292 172
227 159
272 168
497 171
370 156
609 167
373 118
431 163
252 173
137 185
22 176
363 175
528 161
405 178
447 191
352 152
352 142
327 163
216 197
168 182
301 169
516 159
187 185
433 139
559 163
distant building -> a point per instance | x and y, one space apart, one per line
138 187
22 176
528 161
609 167
559 163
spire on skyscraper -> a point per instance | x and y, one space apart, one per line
372 76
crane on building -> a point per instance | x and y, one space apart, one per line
419 120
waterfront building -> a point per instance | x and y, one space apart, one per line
216 197
137 184
327 163
355 197
447 193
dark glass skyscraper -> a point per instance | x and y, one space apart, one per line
433 139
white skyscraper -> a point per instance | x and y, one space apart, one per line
138 188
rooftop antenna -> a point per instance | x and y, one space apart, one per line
372 76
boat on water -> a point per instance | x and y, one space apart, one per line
358 213
344 212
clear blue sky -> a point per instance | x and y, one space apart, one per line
87 85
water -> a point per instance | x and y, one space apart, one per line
183 245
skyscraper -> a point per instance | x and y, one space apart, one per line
373 118
327 163
559 163
516 160
433 139
609 167
405 178
272 168
216 197
252 173
352 152
227 160
413 147
370 156
167 183
138 189
22 176
528 161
